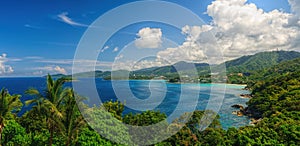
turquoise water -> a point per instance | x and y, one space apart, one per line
172 99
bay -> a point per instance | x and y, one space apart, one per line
141 95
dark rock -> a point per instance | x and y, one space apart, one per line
239 106
240 113
234 112
246 95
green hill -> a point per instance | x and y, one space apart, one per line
181 66
282 68
260 61
98 74
256 65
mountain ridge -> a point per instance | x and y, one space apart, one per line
244 64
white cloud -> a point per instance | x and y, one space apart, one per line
64 18
149 38
242 28
122 65
5 69
31 26
295 6
116 49
294 21
65 61
89 65
60 70
120 56
50 69
104 49
33 57
132 65
149 63
188 51
37 73
192 50
237 29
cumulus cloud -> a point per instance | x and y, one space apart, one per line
188 51
149 38
5 69
64 18
295 6
237 28
193 49
294 21
60 70
149 63
242 28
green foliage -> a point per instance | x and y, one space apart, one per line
107 125
15 134
260 61
40 138
145 118
202 128
50 104
115 108
10 105
72 119
32 121
276 94
147 127
88 137
259 77
276 100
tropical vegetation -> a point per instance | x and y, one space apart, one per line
56 119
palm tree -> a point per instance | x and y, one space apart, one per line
49 103
73 120
9 104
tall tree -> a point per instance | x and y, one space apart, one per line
50 103
9 104
73 120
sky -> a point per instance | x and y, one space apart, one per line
54 36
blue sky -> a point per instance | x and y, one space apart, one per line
40 37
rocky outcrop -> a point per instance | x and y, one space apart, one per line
238 113
246 95
239 106
243 111
234 112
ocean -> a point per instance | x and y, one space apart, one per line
141 95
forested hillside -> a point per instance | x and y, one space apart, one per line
260 61
237 70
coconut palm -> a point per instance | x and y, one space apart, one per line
49 104
9 105
73 120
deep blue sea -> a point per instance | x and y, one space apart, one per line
141 95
